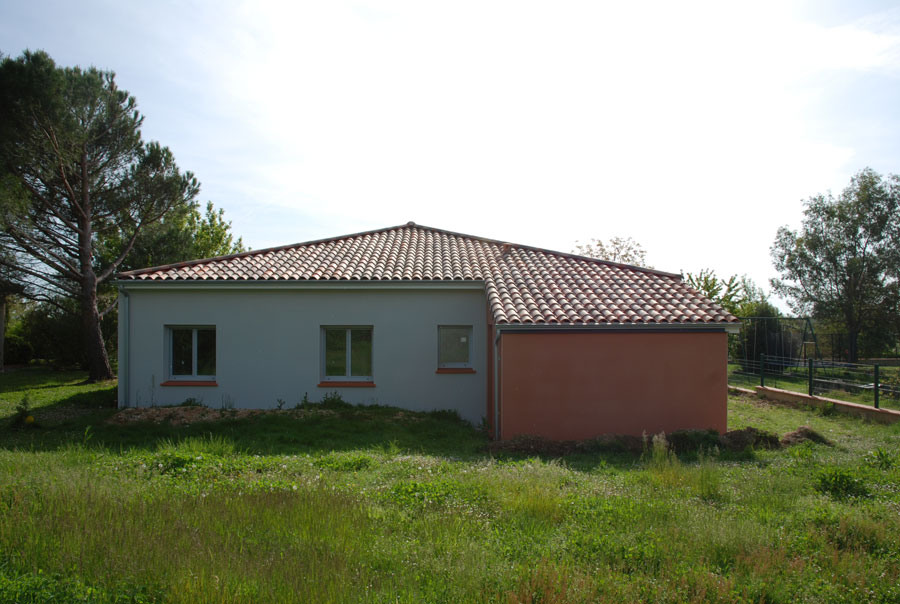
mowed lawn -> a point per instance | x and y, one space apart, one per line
334 503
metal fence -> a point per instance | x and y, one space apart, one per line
854 382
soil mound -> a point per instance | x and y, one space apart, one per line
803 434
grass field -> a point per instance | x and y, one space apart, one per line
353 504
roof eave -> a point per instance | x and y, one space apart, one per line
544 327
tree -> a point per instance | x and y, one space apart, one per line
623 250
183 234
728 294
844 262
75 170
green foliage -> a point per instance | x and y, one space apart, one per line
726 293
738 295
842 265
840 483
333 401
23 417
358 505
881 458
345 462
182 234
75 171
54 333
618 249
40 587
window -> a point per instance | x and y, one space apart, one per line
192 352
347 354
454 346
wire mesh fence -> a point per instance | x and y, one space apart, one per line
874 385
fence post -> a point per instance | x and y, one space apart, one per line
810 377
762 369
876 386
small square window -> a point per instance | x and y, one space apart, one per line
192 352
347 353
454 346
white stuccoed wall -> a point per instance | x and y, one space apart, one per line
268 345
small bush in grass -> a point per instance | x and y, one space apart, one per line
23 418
881 458
191 402
839 483
348 462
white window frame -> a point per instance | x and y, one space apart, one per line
170 355
467 364
345 378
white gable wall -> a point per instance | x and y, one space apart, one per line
268 345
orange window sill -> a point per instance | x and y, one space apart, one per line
455 370
190 383
346 384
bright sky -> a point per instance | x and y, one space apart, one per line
697 128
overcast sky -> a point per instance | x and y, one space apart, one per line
697 128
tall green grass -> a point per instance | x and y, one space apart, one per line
224 513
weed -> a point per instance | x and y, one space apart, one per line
827 409
334 401
802 453
279 403
840 483
347 462
23 418
881 458
191 402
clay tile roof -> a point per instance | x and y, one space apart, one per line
523 284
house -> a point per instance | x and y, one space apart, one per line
530 340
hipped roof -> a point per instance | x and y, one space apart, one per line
523 284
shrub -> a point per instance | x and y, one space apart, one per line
17 350
333 400
22 418
839 483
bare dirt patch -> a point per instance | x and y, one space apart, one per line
803 434
180 416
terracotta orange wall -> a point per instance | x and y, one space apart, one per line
580 385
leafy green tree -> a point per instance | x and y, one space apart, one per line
844 262
738 295
74 171
618 249
183 234
726 293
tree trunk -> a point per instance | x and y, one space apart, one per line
854 340
95 349
2 332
